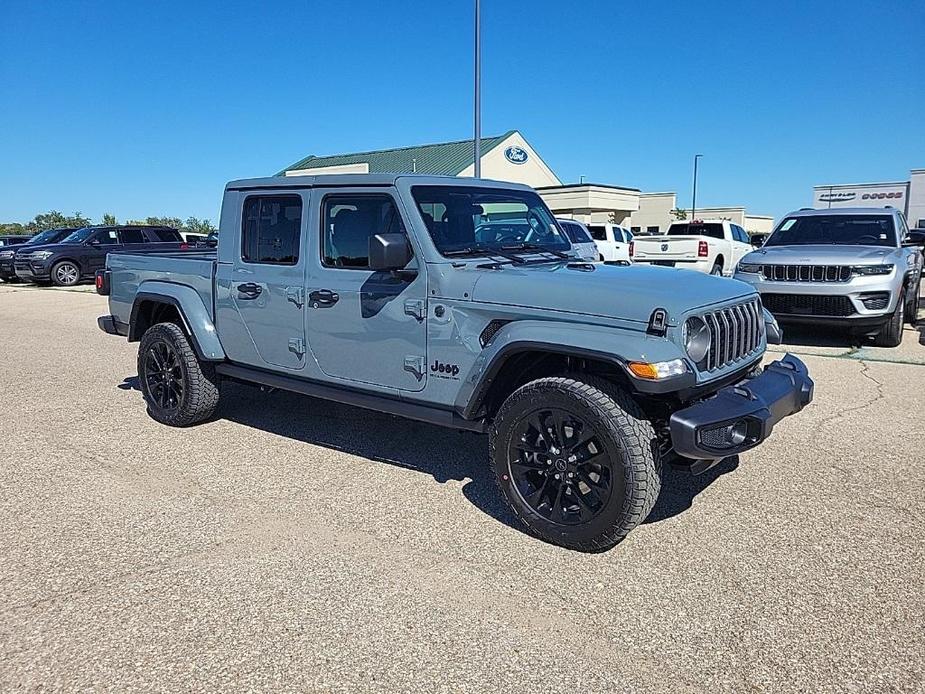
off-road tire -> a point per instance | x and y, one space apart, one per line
628 438
200 383
73 276
891 334
717 270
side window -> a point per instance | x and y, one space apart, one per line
132 236
903 229
598 233
165 235
107 238
348 223
270 229
635 231
652 230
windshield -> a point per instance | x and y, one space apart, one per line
475 221
78 236
835 229
47 236
713 230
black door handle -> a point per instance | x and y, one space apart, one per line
322 298
249 290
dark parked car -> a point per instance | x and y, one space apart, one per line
79 255
7 273
13 240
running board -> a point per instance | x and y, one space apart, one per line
369 401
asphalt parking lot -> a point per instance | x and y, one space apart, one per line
293 544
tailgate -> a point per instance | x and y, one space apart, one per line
666 247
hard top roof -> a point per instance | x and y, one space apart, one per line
371 179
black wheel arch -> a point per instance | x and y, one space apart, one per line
150 309
519 362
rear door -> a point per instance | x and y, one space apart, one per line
260 285
364 327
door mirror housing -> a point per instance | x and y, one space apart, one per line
389 252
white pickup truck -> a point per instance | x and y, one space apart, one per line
713 246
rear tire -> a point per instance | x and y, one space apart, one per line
717 270
576 460
179 389
891 334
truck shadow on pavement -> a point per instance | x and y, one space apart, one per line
444 454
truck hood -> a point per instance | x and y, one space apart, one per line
29 248
822 254
612 291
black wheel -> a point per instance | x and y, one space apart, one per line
891 334
178 389
65 274
577 461
717 269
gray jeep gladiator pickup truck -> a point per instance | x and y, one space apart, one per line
460 302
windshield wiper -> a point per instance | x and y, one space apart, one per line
479 249
539 248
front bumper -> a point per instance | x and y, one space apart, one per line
741 416
31 271
7 272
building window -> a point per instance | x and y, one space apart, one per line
270 229
349 222
652 230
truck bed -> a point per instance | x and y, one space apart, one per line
666 247
195 269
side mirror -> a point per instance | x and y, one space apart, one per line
915 238
389 252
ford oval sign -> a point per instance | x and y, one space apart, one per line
516 155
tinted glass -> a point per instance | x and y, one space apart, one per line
599 233
635 230
575 233
652 230
841 229
271 228
166 235
50 236
349 222
464 220
109 237
132 236
712 230
78 236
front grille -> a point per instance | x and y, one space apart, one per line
806 273
736 333
805 305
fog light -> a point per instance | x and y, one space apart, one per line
657 370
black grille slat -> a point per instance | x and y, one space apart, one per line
735 334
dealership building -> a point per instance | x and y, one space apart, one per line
509 157
908 196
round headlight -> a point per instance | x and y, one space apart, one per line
696 338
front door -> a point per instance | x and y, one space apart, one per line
94 252
363 326
261 288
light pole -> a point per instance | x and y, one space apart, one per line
694 194
477 135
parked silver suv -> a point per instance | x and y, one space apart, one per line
852 267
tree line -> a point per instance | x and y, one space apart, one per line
57 220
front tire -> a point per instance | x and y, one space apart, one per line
576 460
178 389
65 274
912 310
891 334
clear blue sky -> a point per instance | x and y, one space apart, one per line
148 108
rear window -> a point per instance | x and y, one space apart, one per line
165 235
710 229
598 233
575 233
